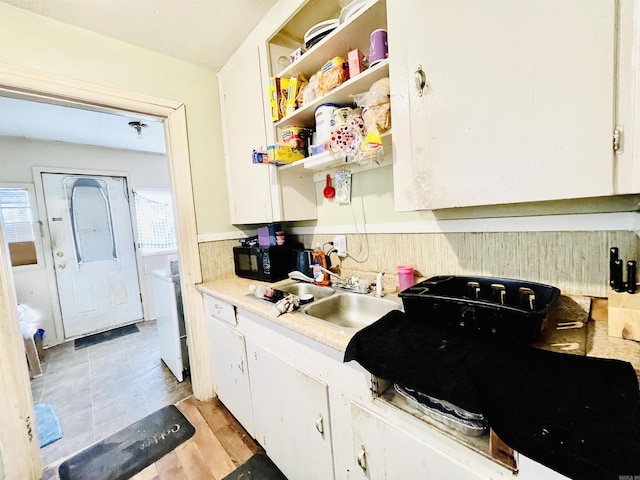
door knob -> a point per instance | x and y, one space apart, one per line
61 266
60 254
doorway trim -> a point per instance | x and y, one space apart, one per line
16 405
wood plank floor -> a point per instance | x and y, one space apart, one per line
218 447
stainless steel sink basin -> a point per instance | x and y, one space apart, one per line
351 310
318 291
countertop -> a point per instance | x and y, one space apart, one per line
235 290
585 316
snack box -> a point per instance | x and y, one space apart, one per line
281 154
295 83
283 95
278 94
259 157
274 86
296 136
356 61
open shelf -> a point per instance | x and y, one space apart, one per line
341 95
354 33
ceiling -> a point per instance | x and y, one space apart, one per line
42 121
201 32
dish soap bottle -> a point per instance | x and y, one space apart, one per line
320 277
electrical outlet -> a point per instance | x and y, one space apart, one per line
340 244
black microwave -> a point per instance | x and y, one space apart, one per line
267 264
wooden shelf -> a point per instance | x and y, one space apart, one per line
305 116
354 33
336 160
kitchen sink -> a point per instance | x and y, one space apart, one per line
317 291
351 310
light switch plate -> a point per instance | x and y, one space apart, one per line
340 244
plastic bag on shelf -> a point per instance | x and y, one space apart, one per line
310 92
332 74
348 136
378 94
378 116
376 105
371 149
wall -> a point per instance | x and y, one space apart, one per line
35 286
39 43
36 42
562 243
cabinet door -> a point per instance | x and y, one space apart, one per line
518 104
243 129
383 451
291 417
230 371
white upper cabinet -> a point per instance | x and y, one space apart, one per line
243 129
628 106
258 193
518 102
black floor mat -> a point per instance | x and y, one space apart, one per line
258 467
130 450
104 336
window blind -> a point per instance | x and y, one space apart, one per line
15 210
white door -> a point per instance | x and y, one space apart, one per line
93 251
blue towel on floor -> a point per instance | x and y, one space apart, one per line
49 429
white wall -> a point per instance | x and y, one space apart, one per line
39 43
35 286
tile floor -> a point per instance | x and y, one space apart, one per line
101 389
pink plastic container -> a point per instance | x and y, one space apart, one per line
405 276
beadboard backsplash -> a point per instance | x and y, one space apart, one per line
575 262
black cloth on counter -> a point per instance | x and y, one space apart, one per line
577 415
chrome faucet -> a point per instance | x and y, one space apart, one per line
351 284
379 284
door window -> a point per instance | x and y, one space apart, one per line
90 214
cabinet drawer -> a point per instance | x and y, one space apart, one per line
221 310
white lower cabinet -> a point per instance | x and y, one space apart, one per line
291 416
383 451
230 372
315 415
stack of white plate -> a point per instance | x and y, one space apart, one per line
319 31
353 8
